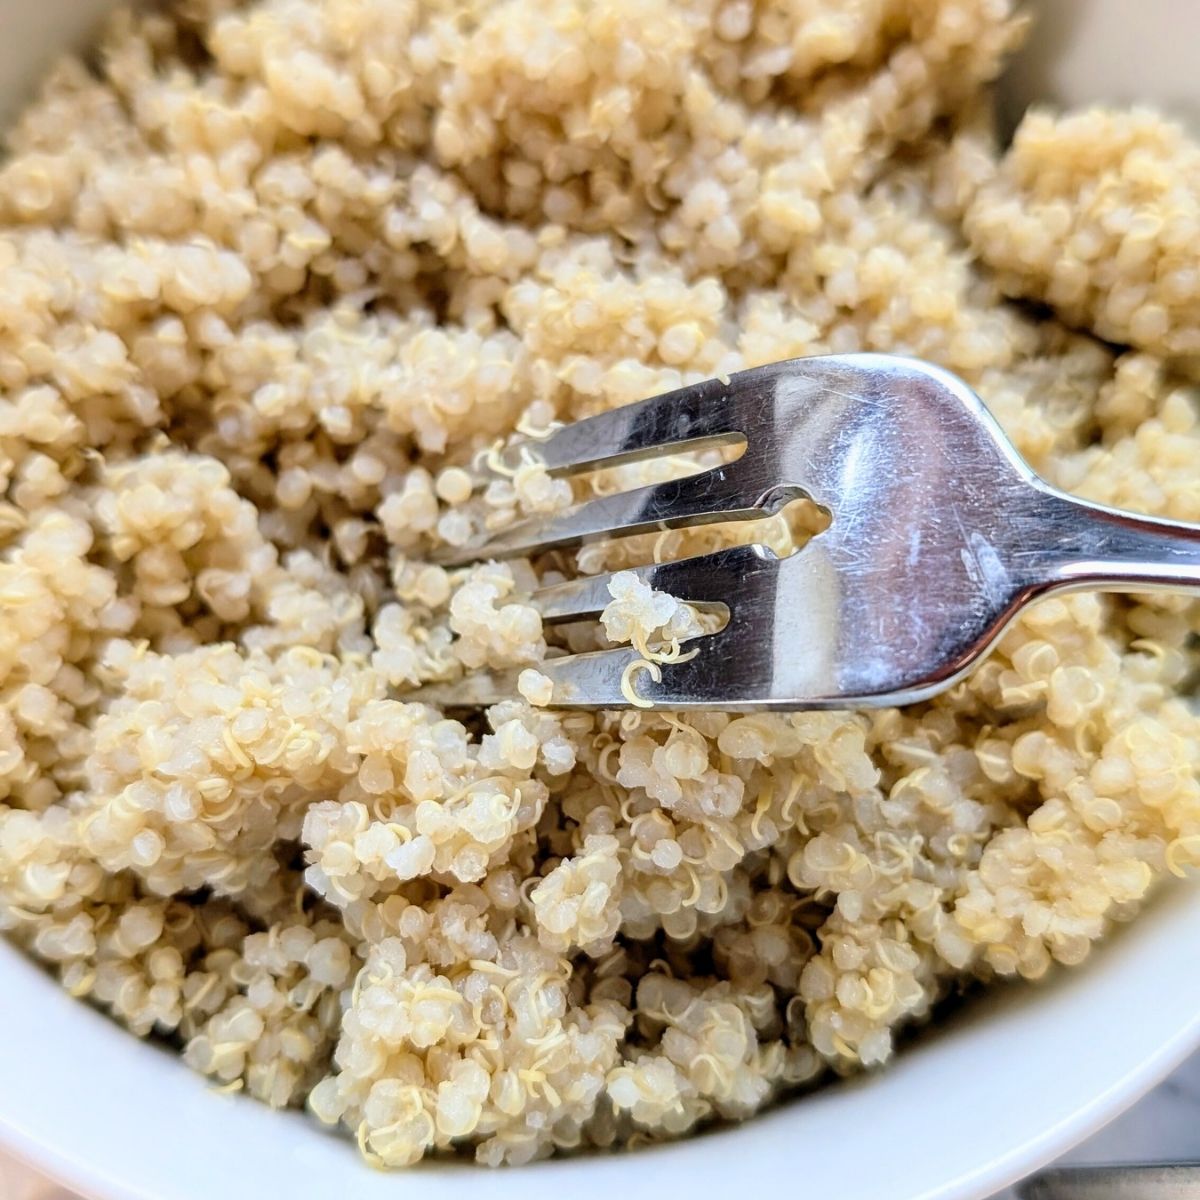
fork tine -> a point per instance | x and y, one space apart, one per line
713 495
580 681
595 680
738 576
705 578
698 415
576 599
592 680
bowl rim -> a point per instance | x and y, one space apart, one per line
49 1119
46 1101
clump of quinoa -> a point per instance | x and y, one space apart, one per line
277 278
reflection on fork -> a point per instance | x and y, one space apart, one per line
940 534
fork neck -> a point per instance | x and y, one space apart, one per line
1090 546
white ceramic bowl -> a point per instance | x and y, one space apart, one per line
1008 1085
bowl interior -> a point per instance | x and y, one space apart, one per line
1009 1083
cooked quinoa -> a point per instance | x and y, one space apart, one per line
274 275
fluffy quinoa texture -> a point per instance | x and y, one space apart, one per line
272 275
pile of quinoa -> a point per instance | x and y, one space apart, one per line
273 275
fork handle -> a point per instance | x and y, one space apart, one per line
1087 546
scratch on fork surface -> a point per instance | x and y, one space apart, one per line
866 398
985 568
982 563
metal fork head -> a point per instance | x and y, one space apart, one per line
937 537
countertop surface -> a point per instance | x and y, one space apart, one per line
1163 1127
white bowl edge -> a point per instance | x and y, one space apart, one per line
1011 1083
1000 1091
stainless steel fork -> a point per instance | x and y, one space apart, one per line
940 534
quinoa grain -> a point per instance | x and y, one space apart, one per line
278 278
